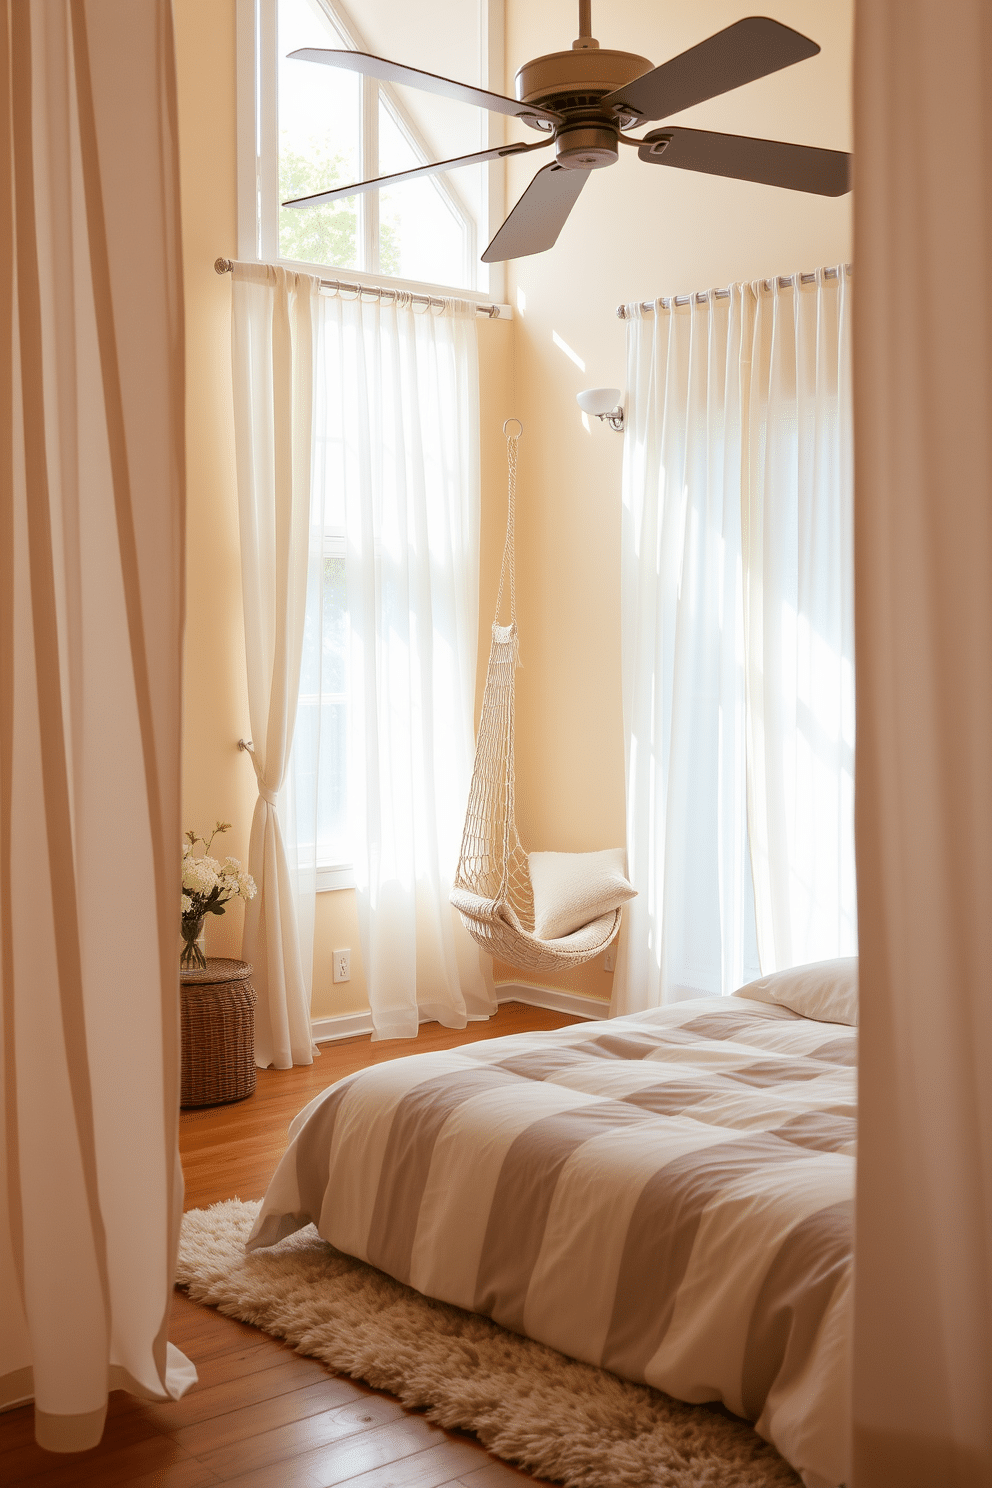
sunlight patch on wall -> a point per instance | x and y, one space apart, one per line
573 356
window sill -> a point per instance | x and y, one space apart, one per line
335 876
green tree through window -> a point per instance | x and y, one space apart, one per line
328 233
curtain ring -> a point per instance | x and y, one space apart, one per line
513 421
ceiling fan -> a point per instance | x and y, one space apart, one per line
584 99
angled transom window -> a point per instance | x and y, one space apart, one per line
314 126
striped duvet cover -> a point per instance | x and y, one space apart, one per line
667 1195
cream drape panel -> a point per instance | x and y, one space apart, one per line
683 679
273 342
799 620
91 614
923 552
398 427
737 638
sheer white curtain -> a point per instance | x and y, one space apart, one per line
923 553
799 619
737 638
91 619
273 347
397 441
690 930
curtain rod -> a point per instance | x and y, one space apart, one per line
785 281
379 292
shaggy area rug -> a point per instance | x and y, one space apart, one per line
530 1405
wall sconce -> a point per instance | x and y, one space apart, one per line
602 403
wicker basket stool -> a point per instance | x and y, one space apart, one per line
218 1032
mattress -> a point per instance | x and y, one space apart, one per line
667 1195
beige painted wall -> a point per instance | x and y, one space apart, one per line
217 778
638 231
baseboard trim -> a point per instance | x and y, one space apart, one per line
340 1026
353 1025
552 999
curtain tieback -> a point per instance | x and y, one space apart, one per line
268 796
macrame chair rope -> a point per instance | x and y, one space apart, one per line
492 889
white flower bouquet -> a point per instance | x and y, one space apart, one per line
208 887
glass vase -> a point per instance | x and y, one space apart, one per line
193 955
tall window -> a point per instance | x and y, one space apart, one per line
304 127
307 127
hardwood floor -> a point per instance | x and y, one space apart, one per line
261 1416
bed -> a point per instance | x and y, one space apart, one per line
667 1195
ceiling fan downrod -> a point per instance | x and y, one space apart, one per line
585 41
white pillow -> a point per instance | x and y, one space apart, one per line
824 990
572 889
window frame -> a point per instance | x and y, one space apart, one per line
258 150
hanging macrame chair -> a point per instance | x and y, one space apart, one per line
492 889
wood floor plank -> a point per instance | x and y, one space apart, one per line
17 1428
421 1471
117 1468
495 1474
353 1463
342 1461
203 1333
239 1363
244 1391
184 1474
27 1462
302 1437
220 1432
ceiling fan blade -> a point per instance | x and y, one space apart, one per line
749 49
430 82
379 183
539 216
772 162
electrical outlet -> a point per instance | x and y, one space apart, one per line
342 966
610 959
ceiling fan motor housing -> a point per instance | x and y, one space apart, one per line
577 79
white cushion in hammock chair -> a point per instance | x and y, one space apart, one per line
587 938
574 889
